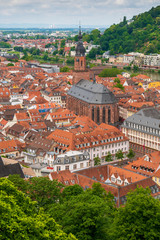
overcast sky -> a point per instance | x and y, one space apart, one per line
89 12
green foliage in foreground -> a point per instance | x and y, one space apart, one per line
139 219
111 72
89 214
21 219
42 190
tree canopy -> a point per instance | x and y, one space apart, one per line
88 215
4 45
140 34
97 161
41 189
110 72
37 208
139 219
21 219
108 157
130 154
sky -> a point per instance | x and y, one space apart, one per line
70 12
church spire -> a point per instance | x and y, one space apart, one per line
80 33
80 50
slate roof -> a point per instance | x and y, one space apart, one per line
149 117
91 92
10 169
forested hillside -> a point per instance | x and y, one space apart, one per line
141 34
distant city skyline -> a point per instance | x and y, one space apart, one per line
40 13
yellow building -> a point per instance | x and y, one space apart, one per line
154 85
156 177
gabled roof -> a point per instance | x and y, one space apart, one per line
147 165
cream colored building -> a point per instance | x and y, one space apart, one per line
143 130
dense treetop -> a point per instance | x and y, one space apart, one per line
43 209
21 219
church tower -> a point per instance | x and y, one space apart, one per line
80 70
80 59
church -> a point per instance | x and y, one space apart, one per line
88 97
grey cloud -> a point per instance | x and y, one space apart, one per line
65 11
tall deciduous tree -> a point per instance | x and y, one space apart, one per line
97 161
21 219
88 215
41 189
139 218
120 156
108 157
130 154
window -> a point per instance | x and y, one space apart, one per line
109 115
67 167
58 168
81 165
98 116
113 179
75 166
104 115
93 113
118 181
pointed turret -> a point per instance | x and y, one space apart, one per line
80 50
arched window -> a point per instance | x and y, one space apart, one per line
97 115
93 113
109 115
104 115
81 63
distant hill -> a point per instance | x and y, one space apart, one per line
141 33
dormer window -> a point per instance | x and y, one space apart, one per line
113 179
119 181
126 183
